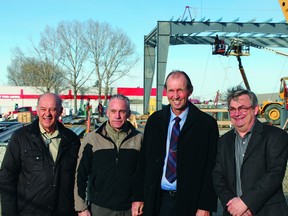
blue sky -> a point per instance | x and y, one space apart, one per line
22 20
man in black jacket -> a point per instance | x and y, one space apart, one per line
38 170
251 161
186 189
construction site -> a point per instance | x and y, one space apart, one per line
231 39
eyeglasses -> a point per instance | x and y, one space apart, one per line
241 109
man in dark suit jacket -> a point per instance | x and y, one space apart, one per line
192 193
251 161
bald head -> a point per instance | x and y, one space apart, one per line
49 109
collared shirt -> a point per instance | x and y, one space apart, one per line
241 144
52 141
165 184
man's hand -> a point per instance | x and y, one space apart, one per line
137 208
202 213
237 207
84 213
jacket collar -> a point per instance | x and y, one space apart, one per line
257 135
34 129
193 116
129 128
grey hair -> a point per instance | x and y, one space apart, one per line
122 97
234 92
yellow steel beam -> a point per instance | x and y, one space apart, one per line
284 7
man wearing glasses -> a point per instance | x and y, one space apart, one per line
251 161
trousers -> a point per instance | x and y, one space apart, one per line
101 211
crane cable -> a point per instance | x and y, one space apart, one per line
226 72
207 63
205 74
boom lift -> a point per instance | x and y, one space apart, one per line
237 48
271 110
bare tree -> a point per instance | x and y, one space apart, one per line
120 58
59 58
20 72
41 68
15 70
51 75
74 55
112 53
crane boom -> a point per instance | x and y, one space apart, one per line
269 49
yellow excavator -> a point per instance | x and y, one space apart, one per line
284 7
271 110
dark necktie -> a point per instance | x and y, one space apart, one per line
172 154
